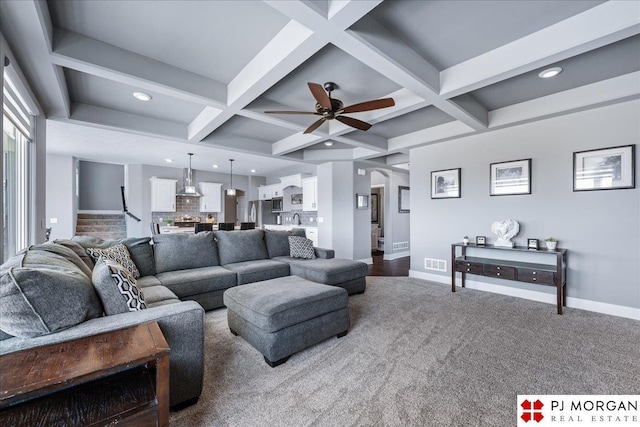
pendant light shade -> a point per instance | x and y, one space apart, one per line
231 191
189 189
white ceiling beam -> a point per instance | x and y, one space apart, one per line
104 118
394 159
425 136
372 44
605 92
201 121
369 141
328 155
297 142
271 119
601 25
239 144
361 153
75 51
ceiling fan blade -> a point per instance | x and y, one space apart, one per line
315 125
369 105
320 95
292 112
354 123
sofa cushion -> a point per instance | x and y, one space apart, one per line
328 271
279 303
255 271
278 241
49 254
146 281
117 288
241 245
78 249
301 247
140 250
194 281
118 253
155 294
184 251
37 301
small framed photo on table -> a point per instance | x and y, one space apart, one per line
532 244
481 240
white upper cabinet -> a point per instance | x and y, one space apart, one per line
264 192
310 194
163 194
211 200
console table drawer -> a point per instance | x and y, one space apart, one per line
500 271
536 276
469 267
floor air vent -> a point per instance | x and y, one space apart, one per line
435 264
400 245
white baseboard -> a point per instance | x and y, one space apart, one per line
98 212
582 304
396 255
366 260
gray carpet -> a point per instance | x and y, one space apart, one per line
419 355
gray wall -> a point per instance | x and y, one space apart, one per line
100 186
600 229
60 196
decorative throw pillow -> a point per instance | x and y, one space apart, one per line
116 288
301 247
118 253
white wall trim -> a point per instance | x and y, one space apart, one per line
100 212
579 303
396 255
366 260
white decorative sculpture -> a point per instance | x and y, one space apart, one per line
505 230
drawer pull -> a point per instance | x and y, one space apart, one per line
534 279
498 268
468 265
534 272
468 269
498 274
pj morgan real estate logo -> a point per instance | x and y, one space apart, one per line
571 410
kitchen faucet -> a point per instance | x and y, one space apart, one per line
294 217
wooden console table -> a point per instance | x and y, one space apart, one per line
119 377
540 274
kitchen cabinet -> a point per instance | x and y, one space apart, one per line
312 234
264 192
310 194
163 194
211 200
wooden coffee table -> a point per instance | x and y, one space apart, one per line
119 377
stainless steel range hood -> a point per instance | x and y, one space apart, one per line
189 188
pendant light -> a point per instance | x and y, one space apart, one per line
231 191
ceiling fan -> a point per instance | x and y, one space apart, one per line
331 108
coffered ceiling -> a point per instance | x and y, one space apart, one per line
213 67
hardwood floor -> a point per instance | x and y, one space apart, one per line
397 267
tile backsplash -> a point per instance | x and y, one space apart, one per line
305 217
184 206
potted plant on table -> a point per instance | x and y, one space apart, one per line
465 240
551 242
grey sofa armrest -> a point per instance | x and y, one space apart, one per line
324 253
182 325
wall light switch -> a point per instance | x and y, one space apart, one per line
53 220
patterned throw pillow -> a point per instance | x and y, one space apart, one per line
117 288
118 253
301 247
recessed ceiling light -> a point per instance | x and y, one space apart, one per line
215 166
328 143
142 96
550 72
168 160
253 171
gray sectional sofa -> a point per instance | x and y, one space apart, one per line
181 276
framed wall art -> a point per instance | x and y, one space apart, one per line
403 199
445 184
362 201
509 178
374 208
604 169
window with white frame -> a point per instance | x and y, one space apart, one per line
16 176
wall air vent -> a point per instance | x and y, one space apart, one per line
435 264
400 245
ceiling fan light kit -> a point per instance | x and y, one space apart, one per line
331 108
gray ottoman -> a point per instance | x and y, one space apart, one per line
279 317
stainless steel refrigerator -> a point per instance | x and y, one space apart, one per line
260 212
